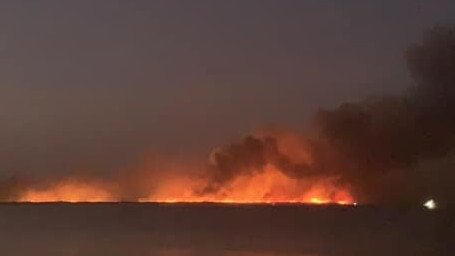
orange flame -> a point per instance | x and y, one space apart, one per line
69 191
269 186
170 184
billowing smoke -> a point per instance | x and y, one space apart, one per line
385 141
249 156
377 146
387 149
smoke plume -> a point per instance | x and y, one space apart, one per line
386 149
377 146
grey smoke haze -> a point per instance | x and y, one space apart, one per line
93 85
386 149
96 85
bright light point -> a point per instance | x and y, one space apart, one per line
355 203
316 200
430 204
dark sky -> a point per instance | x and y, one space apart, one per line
93 84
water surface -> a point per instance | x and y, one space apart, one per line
119 229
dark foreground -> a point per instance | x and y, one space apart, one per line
112 229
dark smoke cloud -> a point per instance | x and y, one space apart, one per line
250 156
376 145
391 135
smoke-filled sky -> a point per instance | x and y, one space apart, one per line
95 84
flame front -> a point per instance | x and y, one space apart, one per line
68 191
254 176
269 186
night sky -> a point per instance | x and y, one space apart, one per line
95 84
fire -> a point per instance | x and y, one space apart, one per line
68 191
255 174
269 186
